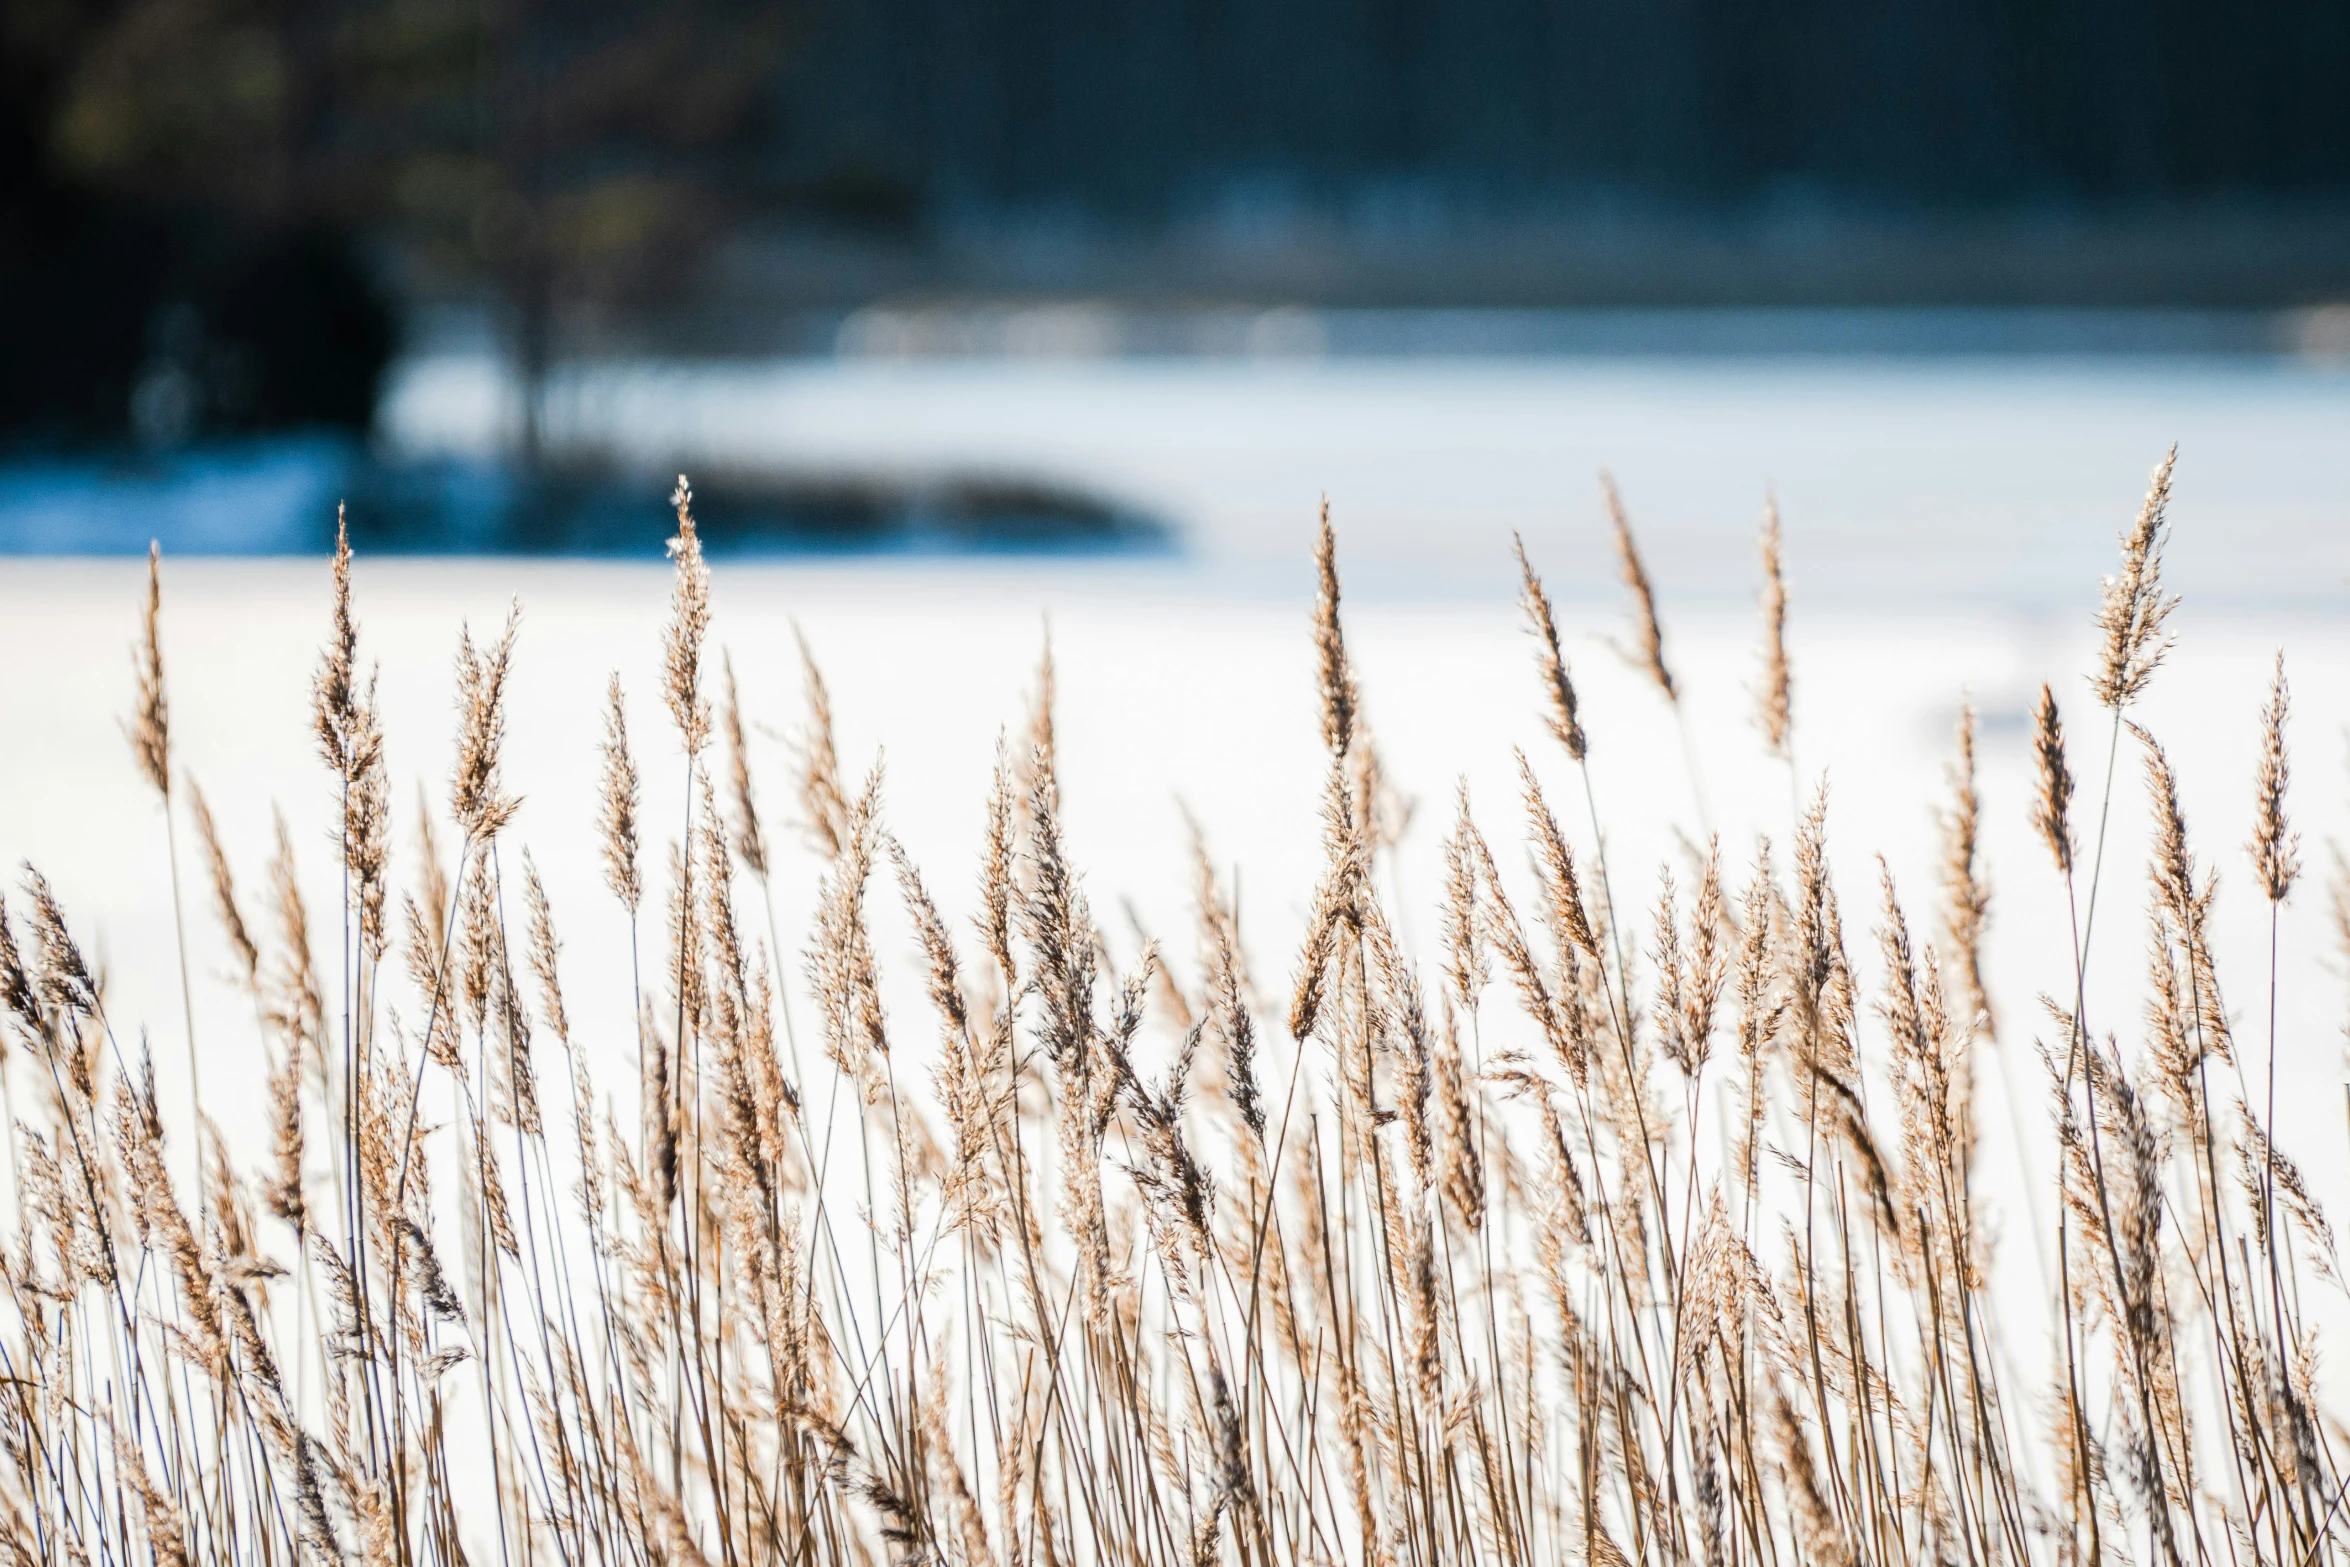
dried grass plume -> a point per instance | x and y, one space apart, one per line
689 622
2052 805
2276 848
2136 609
1774 703
150 725
1650 653
1558 688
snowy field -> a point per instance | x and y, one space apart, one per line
1946 528
1165 699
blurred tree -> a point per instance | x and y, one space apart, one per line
575 157
557 157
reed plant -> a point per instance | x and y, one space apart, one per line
1602 1233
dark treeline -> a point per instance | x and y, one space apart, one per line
213 212
1154 107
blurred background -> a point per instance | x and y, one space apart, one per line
936 276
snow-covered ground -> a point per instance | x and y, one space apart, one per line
1168 695
1946 524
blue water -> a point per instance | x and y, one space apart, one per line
284 496
252 498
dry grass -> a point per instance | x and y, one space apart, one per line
1579 1247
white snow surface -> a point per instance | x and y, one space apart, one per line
1167 697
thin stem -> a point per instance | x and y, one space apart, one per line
179 928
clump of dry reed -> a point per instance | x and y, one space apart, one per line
1666 1253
